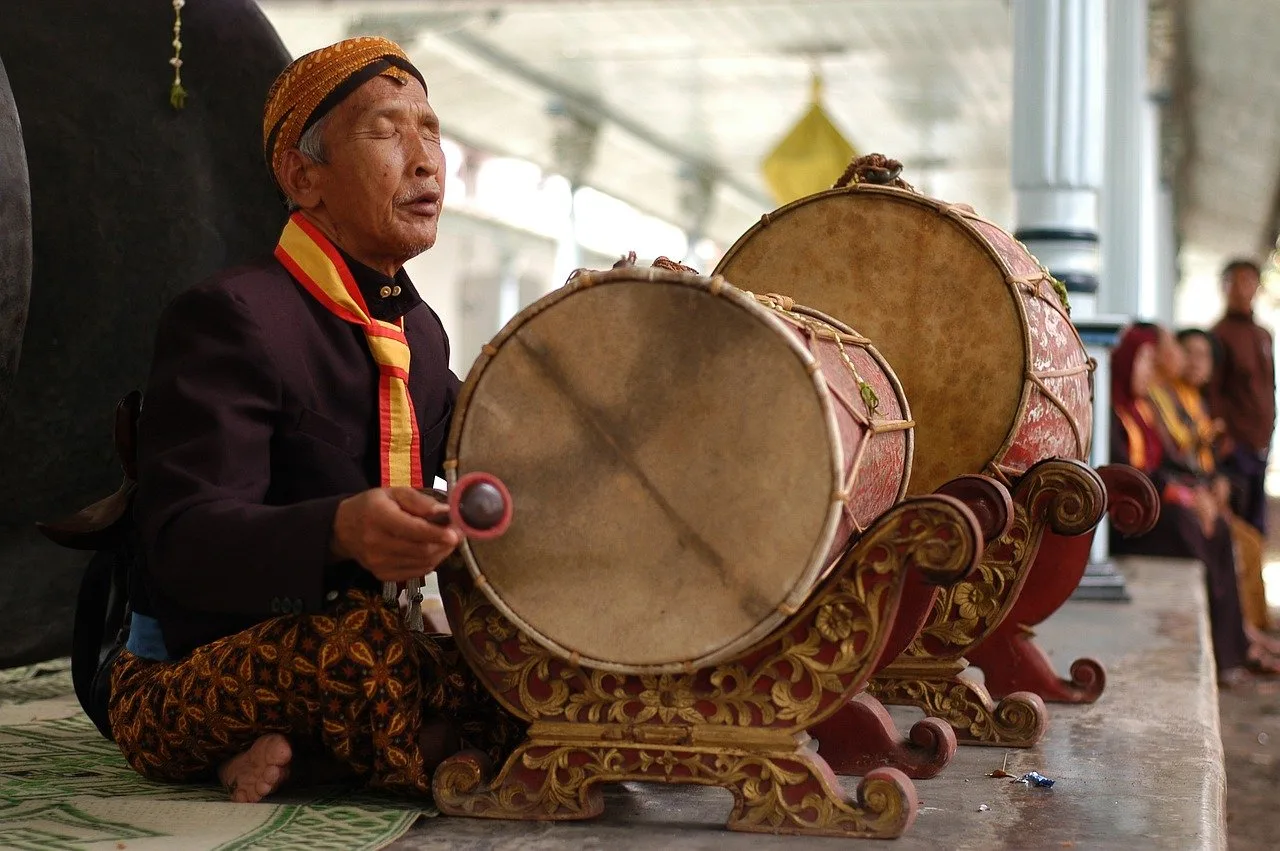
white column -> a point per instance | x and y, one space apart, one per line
1059 128
575 141
1059 58
1166 255
1130 196
1150 282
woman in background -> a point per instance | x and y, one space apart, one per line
1196 435
1190 525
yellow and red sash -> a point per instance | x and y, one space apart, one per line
1193 402
1136 434
315 262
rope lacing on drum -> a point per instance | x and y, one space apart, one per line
812 329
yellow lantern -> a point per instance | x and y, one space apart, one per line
810 157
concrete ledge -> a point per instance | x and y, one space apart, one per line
1142 768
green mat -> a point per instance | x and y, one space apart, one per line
62 786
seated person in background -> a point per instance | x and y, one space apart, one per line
292 411
1197 436
1190 525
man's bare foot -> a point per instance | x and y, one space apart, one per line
259 771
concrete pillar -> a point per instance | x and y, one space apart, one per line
1059 59
508 283
1123 193
697 200
1138 237
1059 129
1167 272
574 143
1151 284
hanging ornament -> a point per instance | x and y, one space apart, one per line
812 154
177 94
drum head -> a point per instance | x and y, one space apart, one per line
672 465
927 293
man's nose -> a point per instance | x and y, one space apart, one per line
425 158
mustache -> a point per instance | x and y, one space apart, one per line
430 193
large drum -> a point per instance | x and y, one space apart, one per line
975 327
686 462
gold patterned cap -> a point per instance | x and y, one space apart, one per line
315 83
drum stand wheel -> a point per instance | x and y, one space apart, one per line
1060 496
1009 658
738 725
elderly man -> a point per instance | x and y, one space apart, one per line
294 409
1243 392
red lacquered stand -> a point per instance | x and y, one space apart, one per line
1010 659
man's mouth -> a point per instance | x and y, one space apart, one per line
425 204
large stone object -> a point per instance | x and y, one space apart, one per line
15 239
132 201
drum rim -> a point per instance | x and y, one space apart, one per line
818 561
963 217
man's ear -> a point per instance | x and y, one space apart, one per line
300 179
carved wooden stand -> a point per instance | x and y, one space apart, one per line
861 736
1009 658
740 725
1065 497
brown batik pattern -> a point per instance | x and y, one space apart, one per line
353 683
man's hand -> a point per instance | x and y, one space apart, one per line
386 531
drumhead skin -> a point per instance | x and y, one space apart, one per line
672 455
996 374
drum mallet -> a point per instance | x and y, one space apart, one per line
479 505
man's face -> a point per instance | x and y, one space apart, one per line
382 187
1242 287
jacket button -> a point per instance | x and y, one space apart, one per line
299 607
331 596
275 605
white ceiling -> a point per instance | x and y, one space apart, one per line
1235 114
710 81
718 82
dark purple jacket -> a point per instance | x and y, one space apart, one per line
259 418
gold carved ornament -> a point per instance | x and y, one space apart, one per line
792 680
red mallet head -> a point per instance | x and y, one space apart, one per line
480 505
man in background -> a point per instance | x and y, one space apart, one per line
1243 392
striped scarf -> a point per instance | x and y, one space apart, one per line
316 264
